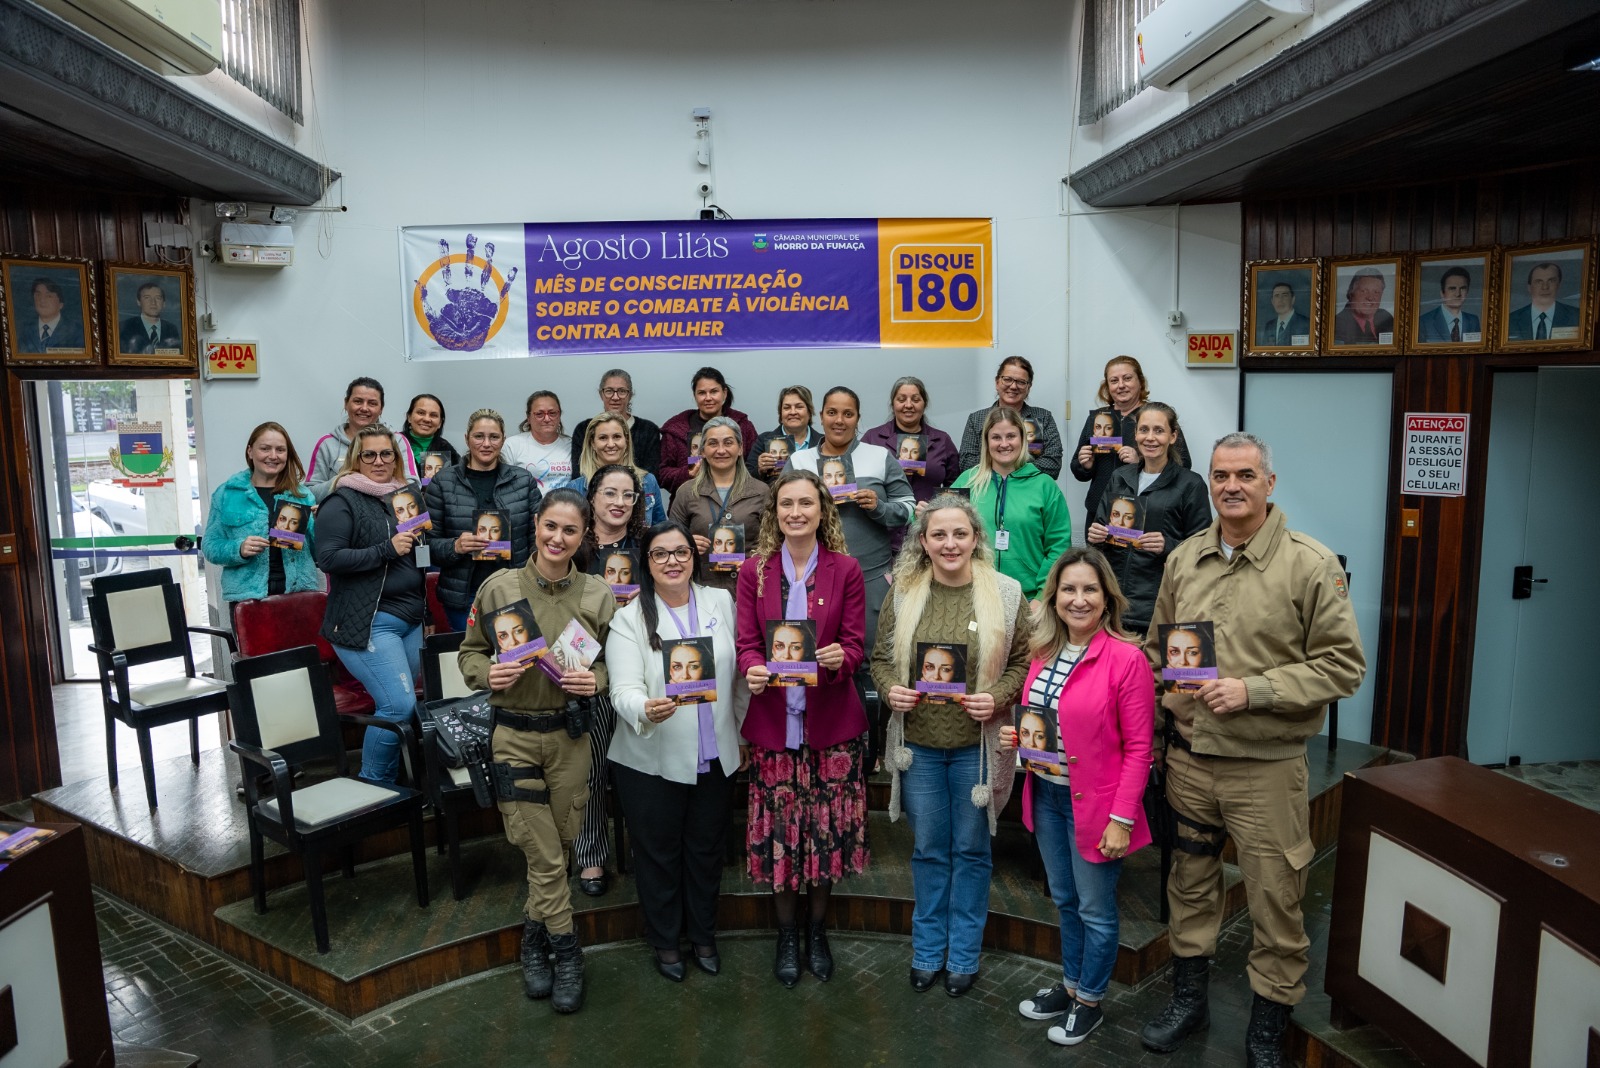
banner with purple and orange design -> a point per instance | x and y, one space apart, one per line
551 289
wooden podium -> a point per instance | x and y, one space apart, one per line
52 991
1466 917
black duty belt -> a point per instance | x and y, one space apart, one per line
523 721
1174 738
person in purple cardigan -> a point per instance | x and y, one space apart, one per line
808 784
940 461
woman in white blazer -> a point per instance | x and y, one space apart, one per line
674 757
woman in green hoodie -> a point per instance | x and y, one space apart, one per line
424 429
1023 508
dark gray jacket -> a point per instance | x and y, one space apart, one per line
453 506
1047 459
1178 504
364 572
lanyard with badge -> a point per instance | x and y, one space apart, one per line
1002 536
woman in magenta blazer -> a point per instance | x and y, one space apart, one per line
1088 711
808 783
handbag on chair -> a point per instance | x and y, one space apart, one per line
462 729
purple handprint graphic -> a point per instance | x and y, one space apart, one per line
462 325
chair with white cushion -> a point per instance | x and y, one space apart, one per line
137 618
283 711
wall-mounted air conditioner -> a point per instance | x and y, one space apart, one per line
1183 42
168 36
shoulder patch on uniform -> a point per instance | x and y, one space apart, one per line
472 617
1339 585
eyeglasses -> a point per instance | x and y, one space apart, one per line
616 391
681 555
387 456
487 439
548 415
1015 383
625 496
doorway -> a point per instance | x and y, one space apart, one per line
1531 700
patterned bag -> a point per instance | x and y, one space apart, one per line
462 727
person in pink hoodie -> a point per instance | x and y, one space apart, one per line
1086 723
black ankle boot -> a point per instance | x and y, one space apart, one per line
819 956
537 977
1263 1040
568 992
787 965
1189 1010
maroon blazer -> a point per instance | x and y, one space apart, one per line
838 603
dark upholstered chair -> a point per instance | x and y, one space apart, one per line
283 711
138 618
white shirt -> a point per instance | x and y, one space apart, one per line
550 465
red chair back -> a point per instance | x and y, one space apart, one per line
287 620
441 622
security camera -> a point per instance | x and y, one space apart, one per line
703 189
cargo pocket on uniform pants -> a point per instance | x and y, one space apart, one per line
574 823
1298 858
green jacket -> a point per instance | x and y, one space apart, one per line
1035 518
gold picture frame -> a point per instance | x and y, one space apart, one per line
1348 286
1287 331
51 311
1453 301
142 331
1563 273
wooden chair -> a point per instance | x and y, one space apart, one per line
138 618
287 620
284 713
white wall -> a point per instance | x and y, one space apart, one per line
1124 266
481 111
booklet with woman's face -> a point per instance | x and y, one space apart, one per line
515 634
838 474
1030 434
620 570
690 670
432 464
912 451
286 528
1125 521
792 652
727 547
406 507
1038 739
1104 434
1190 655
941 672
494 527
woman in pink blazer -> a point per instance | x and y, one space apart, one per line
808 783
1088 713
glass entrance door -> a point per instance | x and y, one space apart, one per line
122 493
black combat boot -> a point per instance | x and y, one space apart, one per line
1189 1010
1263 1040
819 956
568 995
787 965
537 977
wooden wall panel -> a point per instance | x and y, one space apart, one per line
1430 588
58 222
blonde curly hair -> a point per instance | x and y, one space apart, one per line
769 540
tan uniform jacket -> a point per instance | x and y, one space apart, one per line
580 596
1284 624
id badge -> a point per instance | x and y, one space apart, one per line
424 554
1002 540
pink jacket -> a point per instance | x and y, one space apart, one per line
1107 718
838 602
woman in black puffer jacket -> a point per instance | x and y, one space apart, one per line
456 498
1169 505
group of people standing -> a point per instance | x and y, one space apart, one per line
942 577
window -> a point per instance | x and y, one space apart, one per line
1109 76
261 50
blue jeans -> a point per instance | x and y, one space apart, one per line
458 619
388 667
1085 893
950 858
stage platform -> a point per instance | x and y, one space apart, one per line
186 864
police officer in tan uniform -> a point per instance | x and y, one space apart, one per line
1286 644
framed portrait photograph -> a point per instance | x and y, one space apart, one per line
149 315
50 309
1547 293
1450 302
1281 303
1363 306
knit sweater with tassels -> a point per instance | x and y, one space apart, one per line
947 617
